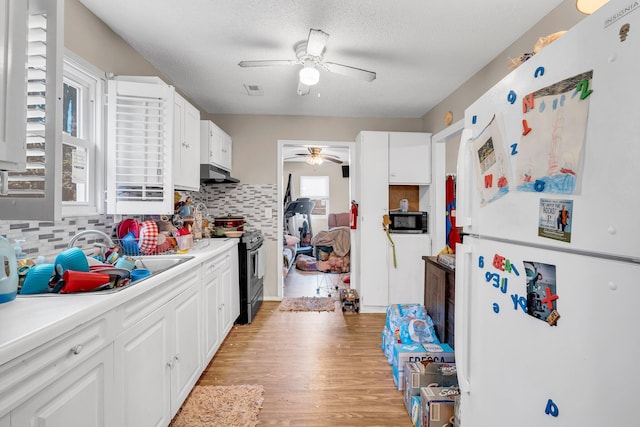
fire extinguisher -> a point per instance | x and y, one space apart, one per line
354 215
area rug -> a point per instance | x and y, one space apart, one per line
307 304
221 406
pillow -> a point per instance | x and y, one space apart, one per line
291 240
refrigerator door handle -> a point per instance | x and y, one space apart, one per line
462 315
464 172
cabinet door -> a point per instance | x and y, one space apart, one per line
187 353
186 145
406 282
224 303
409 158
230 294
211 275
372 151
143 362
226 148
81 398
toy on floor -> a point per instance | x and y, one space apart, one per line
349 298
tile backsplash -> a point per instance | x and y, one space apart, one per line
50 238
247 200
251 201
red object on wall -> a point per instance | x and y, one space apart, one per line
453 237
354 215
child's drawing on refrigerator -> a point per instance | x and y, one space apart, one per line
490 165
554 128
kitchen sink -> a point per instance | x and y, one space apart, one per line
159 263
156 264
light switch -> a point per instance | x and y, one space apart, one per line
268 212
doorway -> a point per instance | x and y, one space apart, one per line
293 159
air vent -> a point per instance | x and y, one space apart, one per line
253 90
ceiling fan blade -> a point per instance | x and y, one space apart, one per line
303 89
267 63
316 42
331 159
345 70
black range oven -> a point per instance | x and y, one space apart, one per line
252 265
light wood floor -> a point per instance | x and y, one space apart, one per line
312 284
318 369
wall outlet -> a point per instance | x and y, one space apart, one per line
268 212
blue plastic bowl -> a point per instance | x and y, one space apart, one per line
37 280
72 259
139 273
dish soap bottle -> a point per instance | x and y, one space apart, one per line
8 274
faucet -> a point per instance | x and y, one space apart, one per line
102 234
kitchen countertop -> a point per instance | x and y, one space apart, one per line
30 321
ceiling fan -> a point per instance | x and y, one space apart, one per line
309 54
315 156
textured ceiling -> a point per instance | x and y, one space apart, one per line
421 50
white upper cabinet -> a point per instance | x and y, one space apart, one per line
139 147
409 158
186 145
216 146
13 41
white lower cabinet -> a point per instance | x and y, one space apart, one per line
143 355
406 282
159 359
131 366
81 398
221 296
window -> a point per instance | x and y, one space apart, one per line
81 138
316 188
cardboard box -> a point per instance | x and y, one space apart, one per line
403 353
416 411
438 406
427 374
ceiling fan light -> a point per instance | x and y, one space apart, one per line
309 75
314 160
589 6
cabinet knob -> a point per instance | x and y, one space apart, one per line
170 363
76 349
185 145
177 357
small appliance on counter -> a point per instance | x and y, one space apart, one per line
408 222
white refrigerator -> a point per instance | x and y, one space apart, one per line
547 311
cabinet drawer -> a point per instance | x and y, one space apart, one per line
26 375
139 308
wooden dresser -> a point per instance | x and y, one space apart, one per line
439 297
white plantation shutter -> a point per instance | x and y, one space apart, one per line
13 40
139 148
35 194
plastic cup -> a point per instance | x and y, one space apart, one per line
126 263
81 281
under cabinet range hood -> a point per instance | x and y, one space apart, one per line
210 174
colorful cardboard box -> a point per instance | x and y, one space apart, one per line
438 406
427 374
403 353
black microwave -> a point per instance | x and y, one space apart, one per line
408 222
